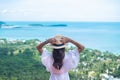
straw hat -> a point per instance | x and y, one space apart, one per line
58 44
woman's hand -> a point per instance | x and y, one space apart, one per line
54 41
79 46
51 40
66 40
40 46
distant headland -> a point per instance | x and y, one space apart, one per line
52 25
18 25
2 23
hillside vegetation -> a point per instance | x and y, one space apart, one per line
19 60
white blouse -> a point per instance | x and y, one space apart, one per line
70 61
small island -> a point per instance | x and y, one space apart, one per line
35 25
9 26
59 25
49 25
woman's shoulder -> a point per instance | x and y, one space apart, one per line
46 53
73 52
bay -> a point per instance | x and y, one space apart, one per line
104 36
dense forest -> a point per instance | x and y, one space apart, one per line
19 60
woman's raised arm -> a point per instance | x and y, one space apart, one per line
79 46
40 46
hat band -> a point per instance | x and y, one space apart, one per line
57 45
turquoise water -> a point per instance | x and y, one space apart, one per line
104 36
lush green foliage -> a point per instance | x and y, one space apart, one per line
19 60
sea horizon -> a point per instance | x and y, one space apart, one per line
103 36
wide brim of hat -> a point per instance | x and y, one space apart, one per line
58 47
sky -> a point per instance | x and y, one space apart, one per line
60 10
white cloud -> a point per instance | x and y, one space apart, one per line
63 10
4 11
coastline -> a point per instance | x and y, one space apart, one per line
14 40
103 36
25 59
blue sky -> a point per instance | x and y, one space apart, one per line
60 10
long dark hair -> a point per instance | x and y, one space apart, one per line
58 56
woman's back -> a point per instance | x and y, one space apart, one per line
70 61
58 63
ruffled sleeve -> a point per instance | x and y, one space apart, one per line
45 58
72 59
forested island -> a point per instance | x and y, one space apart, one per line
52 25
19 60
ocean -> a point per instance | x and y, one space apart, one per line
104 36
